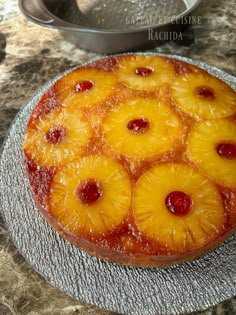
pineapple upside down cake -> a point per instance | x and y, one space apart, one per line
132 158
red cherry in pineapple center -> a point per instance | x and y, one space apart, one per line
205 92
227 150
143 72
55 134
178 202
84 86
89 191
139 125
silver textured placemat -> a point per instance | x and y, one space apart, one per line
177 289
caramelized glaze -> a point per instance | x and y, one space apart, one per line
125 242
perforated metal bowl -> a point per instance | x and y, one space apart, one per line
111 25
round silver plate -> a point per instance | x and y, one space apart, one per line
187 287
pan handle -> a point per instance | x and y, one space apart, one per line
36 11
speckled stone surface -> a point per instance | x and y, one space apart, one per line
31 55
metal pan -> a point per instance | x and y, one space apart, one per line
113 26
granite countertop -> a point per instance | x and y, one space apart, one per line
31 55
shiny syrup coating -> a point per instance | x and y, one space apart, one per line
126 237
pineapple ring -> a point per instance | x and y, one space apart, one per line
106 213
161 72
163 125
100 85
202 144
76 133
219 101
201 225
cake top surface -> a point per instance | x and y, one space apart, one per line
135 155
